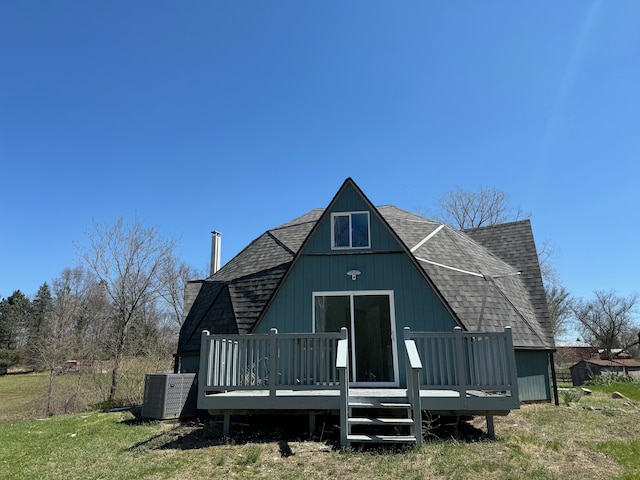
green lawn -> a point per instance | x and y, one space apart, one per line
27 395
20 393
629 390
597 437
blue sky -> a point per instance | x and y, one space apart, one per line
239 116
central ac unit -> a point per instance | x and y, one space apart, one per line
169 395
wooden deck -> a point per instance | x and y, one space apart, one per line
437 402
447 373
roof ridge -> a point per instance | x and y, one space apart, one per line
290 225
279 242
496 225
417 216
518 312
249 275
457 234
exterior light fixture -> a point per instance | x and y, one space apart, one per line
354 274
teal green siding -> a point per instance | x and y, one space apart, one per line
351 201
384 266
416 304
533 375
189 364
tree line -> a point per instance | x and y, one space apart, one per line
123 299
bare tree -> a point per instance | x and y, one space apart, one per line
486 206
128 260
606 321
57 346
559 303
175 275
490 206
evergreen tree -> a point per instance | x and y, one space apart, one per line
38 324
14 316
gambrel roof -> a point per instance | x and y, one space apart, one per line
489 278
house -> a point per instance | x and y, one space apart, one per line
414 314
586 370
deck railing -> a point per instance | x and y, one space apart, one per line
462 361
466 361
268 361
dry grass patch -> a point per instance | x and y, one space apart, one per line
594 438
536 442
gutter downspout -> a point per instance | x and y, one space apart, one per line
553 378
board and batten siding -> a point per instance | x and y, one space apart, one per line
384 266
416 305
533 375
381 239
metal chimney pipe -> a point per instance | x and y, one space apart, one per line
216 237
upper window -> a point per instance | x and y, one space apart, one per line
350 230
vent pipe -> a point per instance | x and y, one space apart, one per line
215 252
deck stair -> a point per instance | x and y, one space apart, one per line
380 420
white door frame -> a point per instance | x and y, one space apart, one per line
392 318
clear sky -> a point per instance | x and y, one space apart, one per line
241 115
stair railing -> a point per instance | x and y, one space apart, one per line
342 364
414 369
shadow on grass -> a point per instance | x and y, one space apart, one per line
207 432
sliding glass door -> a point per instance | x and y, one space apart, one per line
370 320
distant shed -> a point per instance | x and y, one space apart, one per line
569 353
586 370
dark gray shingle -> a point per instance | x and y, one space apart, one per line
490 278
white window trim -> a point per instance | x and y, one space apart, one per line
343 214
394 343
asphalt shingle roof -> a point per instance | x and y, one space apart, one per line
489 277
514 243
232 300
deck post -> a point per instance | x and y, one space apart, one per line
226 425
491 431
342 364
461 370
414 367
511 361
312 423
273 361
205 363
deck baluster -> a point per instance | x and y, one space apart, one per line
273 361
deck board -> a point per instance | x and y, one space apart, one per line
436 401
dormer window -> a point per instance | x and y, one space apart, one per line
350 230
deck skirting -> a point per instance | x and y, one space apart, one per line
437 402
